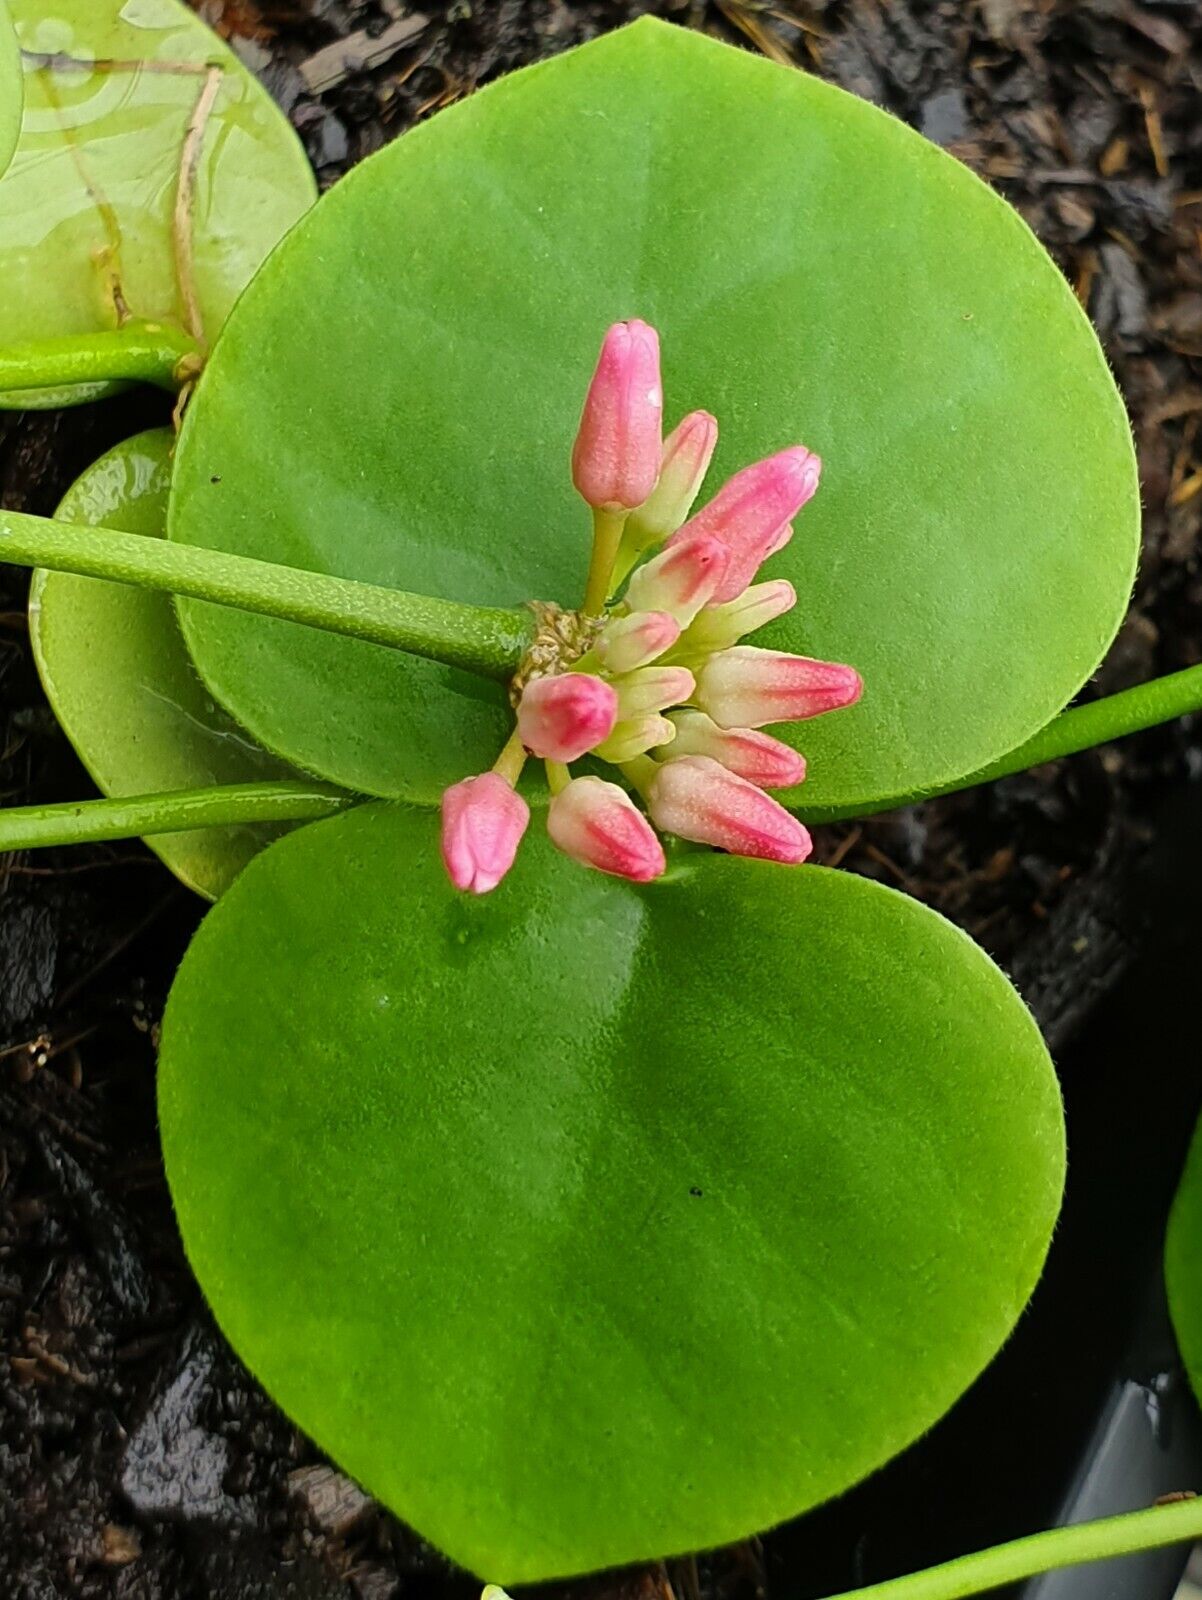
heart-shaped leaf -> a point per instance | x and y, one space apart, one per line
86 209
398 392
1183 1264
589 1222
119 679
11 88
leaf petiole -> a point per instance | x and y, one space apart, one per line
138 352
481 639
1164 699
1043 1552
177 811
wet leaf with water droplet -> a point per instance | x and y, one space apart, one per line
86 207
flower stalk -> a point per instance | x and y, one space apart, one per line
176 811
483 640
607 536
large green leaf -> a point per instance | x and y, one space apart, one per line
397 393
589 1222
1183 1263
11 89
110 89
119 679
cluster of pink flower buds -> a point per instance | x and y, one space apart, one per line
662 688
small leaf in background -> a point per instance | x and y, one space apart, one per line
11 88
397 394
86 208
590 1222
1183 1264
115 671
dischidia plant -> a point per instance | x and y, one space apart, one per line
585 1216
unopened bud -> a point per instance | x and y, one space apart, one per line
616 458
562 718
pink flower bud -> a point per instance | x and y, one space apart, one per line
697 798
752 511
681 579
652 689
562 718
615 461
718 627
746 688
597 824
758 757
688 450
635 738
630 642
483 821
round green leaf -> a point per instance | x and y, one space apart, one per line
11 88
111 87
119 679
397 394
588 1223
1183 1264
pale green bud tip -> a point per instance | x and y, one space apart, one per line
717 627
652 689
635 737
688 450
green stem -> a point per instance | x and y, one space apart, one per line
91 821
511 760
1081 728
1043 1552
607 535
490 642
1115 716
140 352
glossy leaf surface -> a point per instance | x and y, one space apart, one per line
11 88
586 1222
398 391
110 91
119 679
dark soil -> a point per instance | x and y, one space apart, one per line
136 1458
